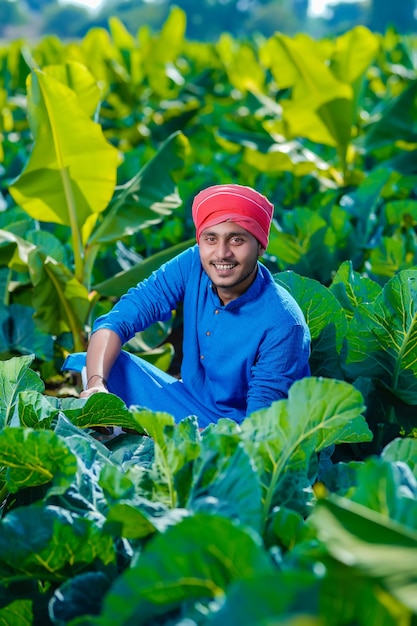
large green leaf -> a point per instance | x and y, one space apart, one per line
197 559
175 447
389 258
101 410
397 122
381 340
354 51
78 78
19 334
224 480
283 438
243 69
16 376
325 319
402 450
305 243
49 543
19 611
60 301
118 284
324 95
160 66
36 410
372 543
35 458
351 288
148 197
71 173
389 488
297 63
281 598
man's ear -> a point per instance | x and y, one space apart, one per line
261 250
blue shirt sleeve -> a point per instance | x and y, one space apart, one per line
152 300
282 359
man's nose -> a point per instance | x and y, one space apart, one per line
223 249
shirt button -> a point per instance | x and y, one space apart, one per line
202 357
216 311
208 333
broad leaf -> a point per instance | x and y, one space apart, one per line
195 560
325 319
23 336
78 78
353 53
243 69
49 543
175 447
17 612
160 67
388 488
371 543
36 410
382 336
320 107
283 438
389 258
396 123
403 451
81 595
224 480
71 173
16 376
305 243
118 284
101 410
146 198
61 301
35 458
284 598
351 288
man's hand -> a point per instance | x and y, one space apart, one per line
99 388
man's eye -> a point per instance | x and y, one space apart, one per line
237 240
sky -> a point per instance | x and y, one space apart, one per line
317 7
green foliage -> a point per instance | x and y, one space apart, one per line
104 143
191 525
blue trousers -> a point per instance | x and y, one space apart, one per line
140 383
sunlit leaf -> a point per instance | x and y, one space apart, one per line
71 172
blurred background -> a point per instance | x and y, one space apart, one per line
206 19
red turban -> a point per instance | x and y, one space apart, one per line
234 203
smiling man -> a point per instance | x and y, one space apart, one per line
245 338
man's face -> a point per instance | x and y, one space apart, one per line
229 255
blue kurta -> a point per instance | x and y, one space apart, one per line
237 358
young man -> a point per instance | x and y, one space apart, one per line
245 339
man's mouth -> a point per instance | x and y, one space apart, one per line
222 267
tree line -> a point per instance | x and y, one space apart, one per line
206 19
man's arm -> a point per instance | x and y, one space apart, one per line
103 349
283 359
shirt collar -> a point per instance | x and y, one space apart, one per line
248 296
